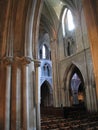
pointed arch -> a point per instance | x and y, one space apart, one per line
71 69
74 88
46 94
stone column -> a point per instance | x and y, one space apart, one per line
16 96
67 94
18 99
55 70
67 100
28 107
7 62
25 93
88 101
91 11
91 98
37 94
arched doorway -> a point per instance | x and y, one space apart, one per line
75 88
46 94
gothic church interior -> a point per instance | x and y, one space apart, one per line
48 59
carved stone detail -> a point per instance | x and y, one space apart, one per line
23 60
37 63
8 60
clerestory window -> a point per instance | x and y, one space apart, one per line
67 21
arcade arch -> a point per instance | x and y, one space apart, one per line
46 94
74 86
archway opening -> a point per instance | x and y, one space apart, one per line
76 87
46 95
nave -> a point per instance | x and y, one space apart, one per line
46 62
75 119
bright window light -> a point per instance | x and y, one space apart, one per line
43 52
70 21
67 16
63 23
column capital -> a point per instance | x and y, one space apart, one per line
23 60
8 60
37 62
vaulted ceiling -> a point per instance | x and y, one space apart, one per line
52 11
